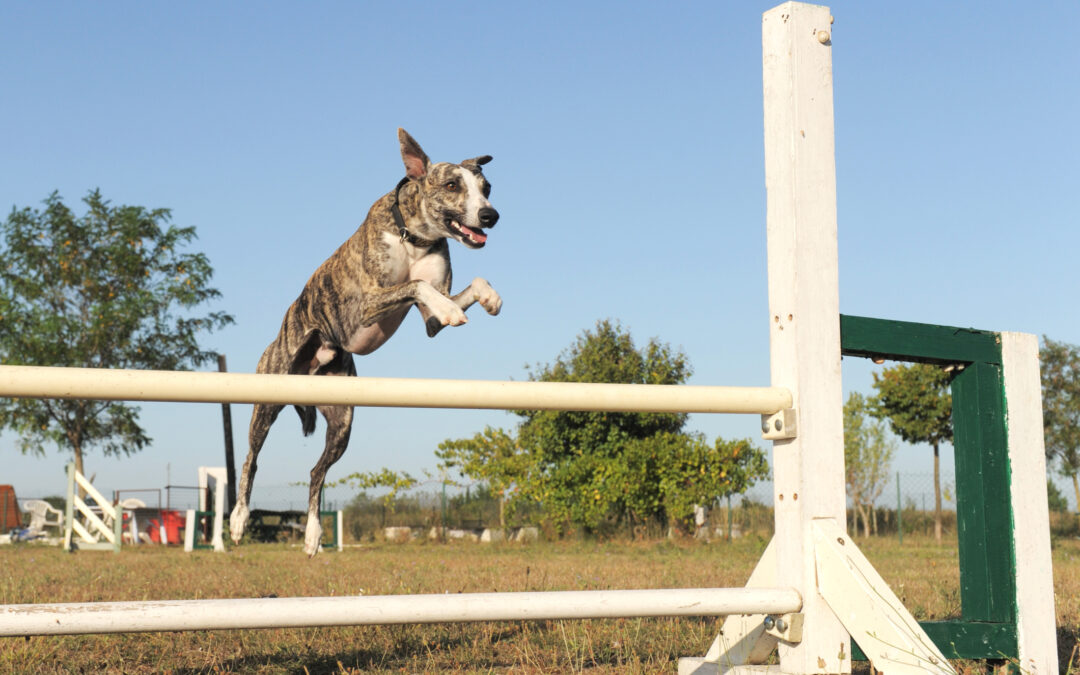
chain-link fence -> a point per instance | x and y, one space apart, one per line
906 501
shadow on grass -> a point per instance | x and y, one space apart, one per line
412 652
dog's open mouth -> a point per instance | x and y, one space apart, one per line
471 237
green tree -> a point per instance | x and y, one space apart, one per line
492 456
916 400
1054 499
592 469
579 456
111 288
1060 369
383 478
868 454
691 472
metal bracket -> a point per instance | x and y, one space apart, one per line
779 425
787 627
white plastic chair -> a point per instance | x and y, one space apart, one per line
129 504
42 515
133 536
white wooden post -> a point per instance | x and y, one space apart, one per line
1036 633
118 524
69 508
340 524
804 311
214 479
133 528
189 531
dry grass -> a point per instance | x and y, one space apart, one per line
923 574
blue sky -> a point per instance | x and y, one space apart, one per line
628 171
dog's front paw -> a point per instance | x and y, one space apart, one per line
449 314
486 296
455 317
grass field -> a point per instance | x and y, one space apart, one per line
924 575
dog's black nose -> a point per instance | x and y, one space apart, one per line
488 217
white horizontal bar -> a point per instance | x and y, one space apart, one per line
158 385
181 615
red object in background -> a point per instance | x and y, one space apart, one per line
10 517
173 521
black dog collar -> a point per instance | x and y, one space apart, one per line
395 211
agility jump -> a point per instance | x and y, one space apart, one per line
813 593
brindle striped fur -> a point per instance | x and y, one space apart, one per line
355 301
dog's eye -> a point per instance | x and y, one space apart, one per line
451 185
487 190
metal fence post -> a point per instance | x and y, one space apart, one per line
899 511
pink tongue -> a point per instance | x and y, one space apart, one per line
477 236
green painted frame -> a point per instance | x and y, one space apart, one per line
333 542
203 529
987 628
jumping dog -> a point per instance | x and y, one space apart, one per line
355 301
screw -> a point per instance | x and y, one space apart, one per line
778 424
764 426
823 37
769 623
781 625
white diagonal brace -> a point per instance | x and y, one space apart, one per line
888 634
742 639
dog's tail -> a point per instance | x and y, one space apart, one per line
307 418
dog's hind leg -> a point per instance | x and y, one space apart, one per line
338 428
261 419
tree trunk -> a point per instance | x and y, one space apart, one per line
502 512
1076 491
873 519
76 451
856 512
937 494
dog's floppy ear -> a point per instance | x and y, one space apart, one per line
416 162
476 162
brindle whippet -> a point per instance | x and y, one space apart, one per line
353 303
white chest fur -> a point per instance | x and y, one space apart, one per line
404 263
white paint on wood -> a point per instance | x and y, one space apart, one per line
180 615
83 533
213 480
157 385
1036 632
699 666
887 633
742 639
804 310
99 528
339 519
189 531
